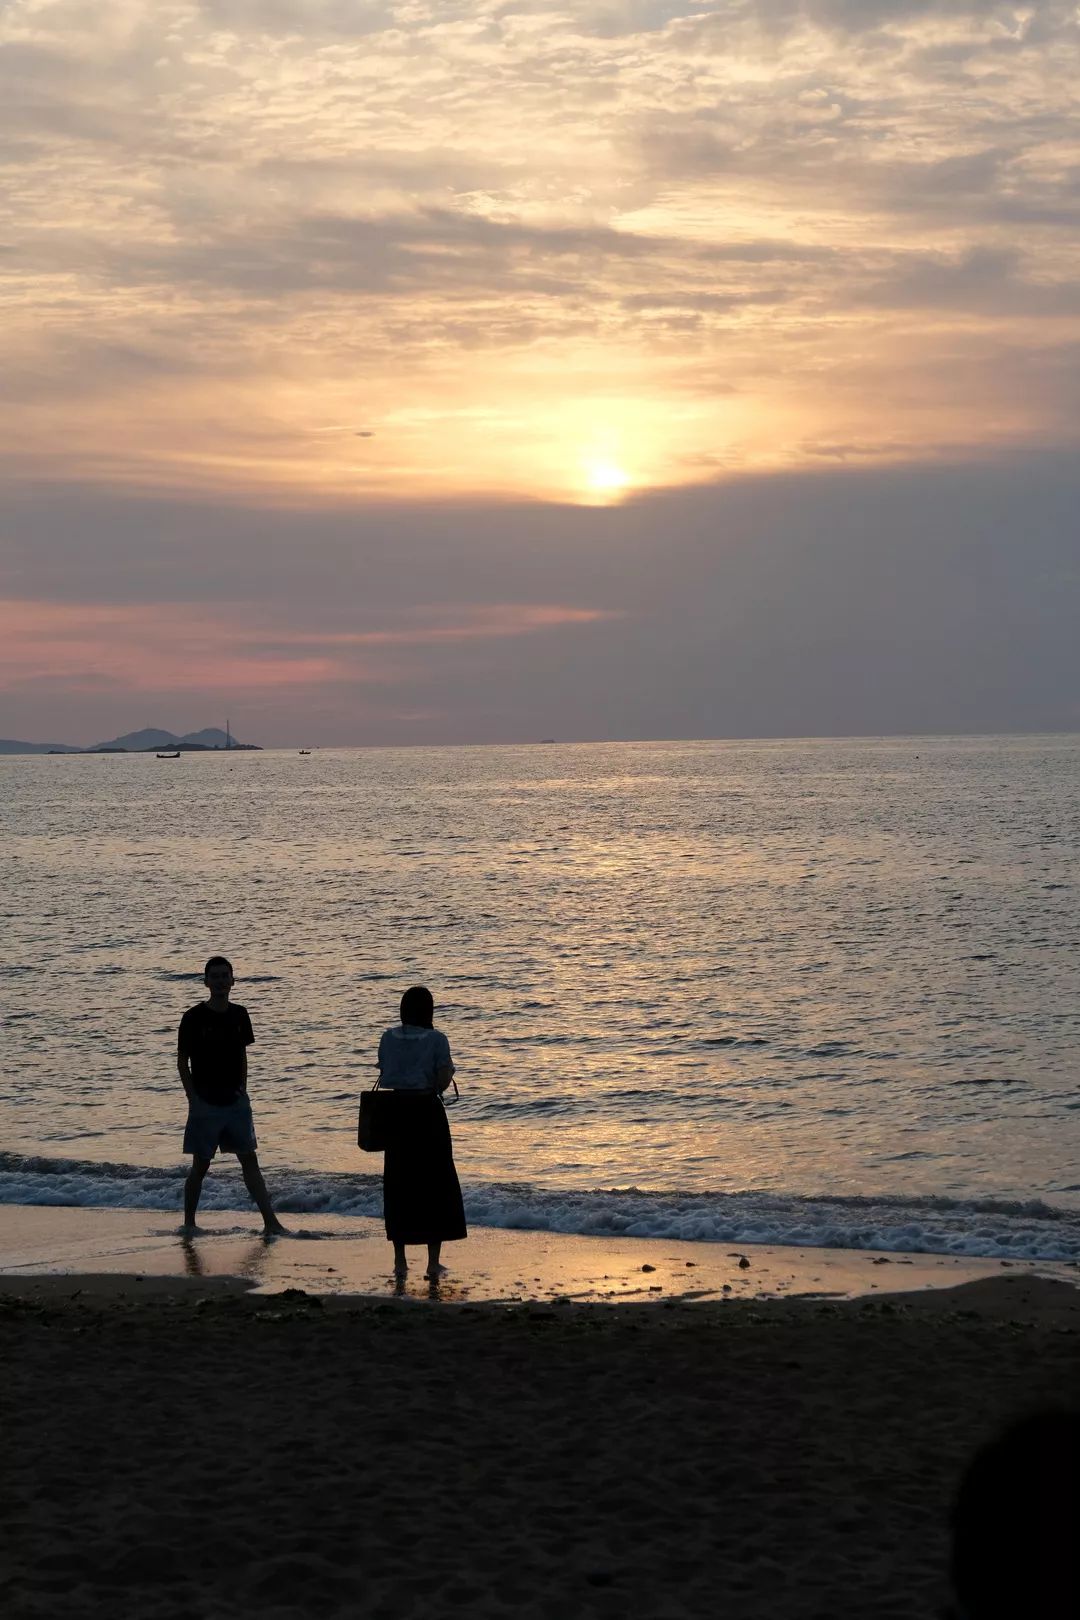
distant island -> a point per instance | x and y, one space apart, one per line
147 741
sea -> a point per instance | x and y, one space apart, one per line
804 992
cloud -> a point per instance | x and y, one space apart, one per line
306 19
233 223
863 16
981 281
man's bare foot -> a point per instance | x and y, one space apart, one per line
401 1268
275 1229
189 1229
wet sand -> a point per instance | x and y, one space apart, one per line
190 1448
346 1255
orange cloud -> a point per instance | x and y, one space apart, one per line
491 622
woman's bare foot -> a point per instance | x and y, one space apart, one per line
435 1272
275 1229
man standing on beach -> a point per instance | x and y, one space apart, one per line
212 1059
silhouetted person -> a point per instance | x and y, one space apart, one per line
421 1193
1016 1524
212 1059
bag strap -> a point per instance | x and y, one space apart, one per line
457 1093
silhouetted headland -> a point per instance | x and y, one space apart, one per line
150 740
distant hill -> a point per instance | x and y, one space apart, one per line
136 742
212 737
133 742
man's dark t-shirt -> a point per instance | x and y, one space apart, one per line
215 1042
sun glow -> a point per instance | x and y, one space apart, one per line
605 480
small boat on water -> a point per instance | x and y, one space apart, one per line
174 755
303 750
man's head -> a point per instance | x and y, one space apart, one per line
218 975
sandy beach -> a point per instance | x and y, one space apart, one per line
190 1447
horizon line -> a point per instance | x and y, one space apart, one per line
577 742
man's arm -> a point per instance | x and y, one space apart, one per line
248 1035
183 1064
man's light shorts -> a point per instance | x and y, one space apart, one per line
209 1128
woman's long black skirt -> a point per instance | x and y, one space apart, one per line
421 1192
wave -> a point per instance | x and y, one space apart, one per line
196 978
983 1228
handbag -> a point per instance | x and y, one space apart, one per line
375 1120
373 1123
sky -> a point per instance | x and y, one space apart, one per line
405 372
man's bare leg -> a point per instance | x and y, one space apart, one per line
193 1189
256 1186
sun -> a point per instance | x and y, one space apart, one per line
605 480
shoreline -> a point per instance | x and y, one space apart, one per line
348 1256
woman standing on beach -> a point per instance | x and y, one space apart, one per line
421 1193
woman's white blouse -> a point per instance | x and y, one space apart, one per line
410 1057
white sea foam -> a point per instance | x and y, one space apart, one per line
1020 1230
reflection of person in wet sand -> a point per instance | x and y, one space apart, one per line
193 1262
212 1060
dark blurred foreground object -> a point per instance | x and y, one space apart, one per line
1016 1524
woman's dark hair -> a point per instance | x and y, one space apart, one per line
217 961
418 1007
